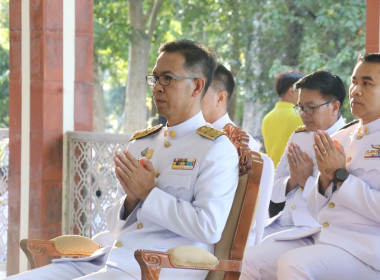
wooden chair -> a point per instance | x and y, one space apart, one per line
230 249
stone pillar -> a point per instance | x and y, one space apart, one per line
84 59
373 26
38 90
14 176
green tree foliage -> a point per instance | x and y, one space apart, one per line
112 35
256 39
259 39
118 35
4 64
331 37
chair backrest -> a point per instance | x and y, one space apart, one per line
238 227
265 192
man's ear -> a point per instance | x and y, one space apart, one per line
336 106
293 92
222 97
199 86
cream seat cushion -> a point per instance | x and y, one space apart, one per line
191 256
75 244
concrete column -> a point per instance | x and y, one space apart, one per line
373 26
51 62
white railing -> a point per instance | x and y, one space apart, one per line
4 161
90 183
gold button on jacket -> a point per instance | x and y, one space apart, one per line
172 134
118 244
167 144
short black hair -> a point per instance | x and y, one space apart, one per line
285 80
369 57
330 85
198 57
223 80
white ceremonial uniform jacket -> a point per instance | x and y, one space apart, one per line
350 216
188 206
295 209
223 121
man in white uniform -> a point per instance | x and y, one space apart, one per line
178 185
215 102
346 197
214 109
320 97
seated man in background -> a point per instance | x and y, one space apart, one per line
178 187
321 95
214 109
215 102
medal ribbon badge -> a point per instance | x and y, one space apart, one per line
183 163
147 153
373 153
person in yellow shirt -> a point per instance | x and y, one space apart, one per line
282 120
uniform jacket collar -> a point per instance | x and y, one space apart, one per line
184 128
219 124
370 127
336 126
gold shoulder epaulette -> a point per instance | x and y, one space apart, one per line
145 132
349 124
302 128
209 132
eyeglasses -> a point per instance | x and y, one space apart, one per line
164 80
309 110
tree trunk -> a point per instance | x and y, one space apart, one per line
294 30
135 110
235 62
253 114
253 109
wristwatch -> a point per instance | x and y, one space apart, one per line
340 175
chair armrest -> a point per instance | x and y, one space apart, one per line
37 251
151 263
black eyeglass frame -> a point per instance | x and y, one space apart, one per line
306 109
151 80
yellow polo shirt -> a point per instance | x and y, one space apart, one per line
276 128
